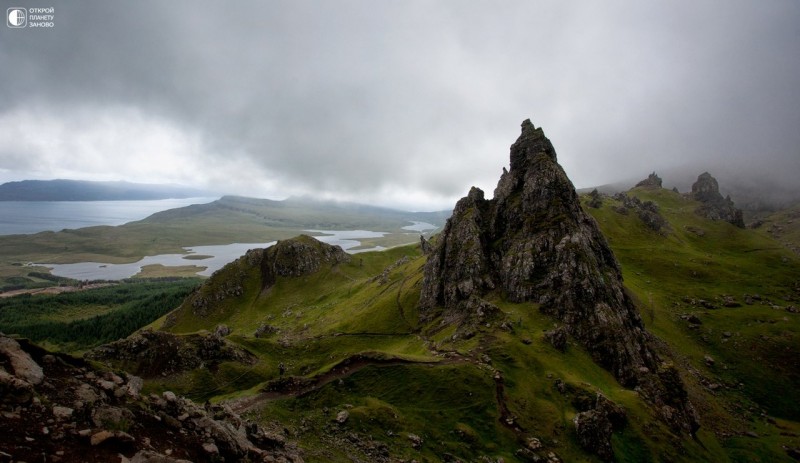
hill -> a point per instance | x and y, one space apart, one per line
230 219
783 226
83 190
510 336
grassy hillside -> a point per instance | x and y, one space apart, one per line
686 279
784 227
345 369
347 339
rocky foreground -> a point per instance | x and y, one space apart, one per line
56 408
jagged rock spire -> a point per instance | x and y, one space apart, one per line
533 242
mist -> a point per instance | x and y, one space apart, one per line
402 104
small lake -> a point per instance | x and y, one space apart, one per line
25 217
420 227
348 239
219 256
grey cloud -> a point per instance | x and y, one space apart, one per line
359 98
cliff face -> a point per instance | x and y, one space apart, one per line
533 242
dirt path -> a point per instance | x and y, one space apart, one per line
294 386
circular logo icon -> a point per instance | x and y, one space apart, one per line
17 17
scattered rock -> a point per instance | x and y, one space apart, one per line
211 448
342 416
265 330
533 443
595 427
158 353
102 425
22 365
647 211
709 360
62 413
116 436
729 301
222 330
696 231
416 441
557 338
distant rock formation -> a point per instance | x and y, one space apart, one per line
652 181
647 211
714 207
299 256
295 257
533 242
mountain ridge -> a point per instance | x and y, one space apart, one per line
86 190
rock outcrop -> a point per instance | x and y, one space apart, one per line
647 211
68 411
652 181
534 243
595 426
158 353
295 257
714 206
299 256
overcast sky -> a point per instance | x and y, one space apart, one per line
398 103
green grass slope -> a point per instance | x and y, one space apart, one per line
347 339
724 300
784 227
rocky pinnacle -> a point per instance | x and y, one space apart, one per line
534 243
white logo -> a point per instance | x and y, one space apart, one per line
16 17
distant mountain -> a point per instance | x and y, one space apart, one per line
296 212
82 190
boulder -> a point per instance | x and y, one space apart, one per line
594 427
557 338
22 365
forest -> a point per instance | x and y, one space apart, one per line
81 320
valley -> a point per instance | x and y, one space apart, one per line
222 222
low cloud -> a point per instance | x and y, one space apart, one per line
398 103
